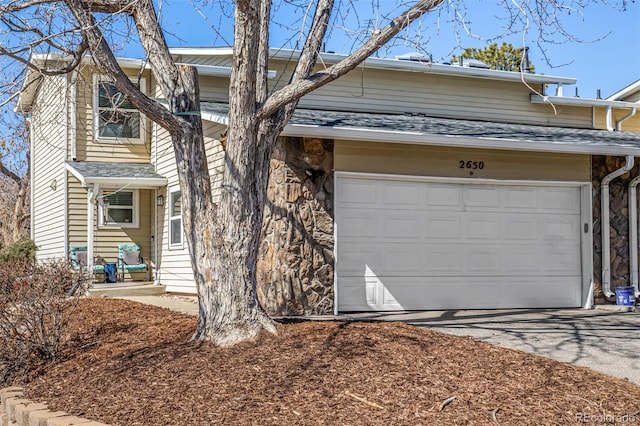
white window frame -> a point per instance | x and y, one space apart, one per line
96 114
103 208
171 219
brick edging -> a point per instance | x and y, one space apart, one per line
16 410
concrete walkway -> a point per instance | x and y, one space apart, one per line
608 342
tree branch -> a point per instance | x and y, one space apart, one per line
300 88
8 173
105 59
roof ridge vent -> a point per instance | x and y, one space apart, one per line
472 63
415 57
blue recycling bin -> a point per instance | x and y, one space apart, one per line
111 272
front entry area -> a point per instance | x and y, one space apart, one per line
417 243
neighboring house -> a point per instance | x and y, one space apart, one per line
434 186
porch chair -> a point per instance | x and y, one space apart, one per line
129 259
78 257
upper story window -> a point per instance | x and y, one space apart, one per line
119 209
116 118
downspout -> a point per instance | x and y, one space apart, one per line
156 268
73 112
610 119
604 213
633 234
91 208
32 228
625 118
633 220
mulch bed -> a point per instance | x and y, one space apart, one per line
133 364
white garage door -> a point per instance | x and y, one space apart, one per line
421 244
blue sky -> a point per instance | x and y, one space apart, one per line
609 63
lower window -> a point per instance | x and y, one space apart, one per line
119 208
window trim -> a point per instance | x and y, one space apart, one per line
135 207
170 219
97 78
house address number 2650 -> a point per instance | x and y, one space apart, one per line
471 165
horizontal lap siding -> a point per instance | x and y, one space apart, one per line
106 240
175 264
400 159
385 91
49 140
88 148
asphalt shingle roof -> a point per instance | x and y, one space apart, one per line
105 170
420 124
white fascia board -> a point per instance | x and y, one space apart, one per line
629 90
201 51
75 173
132 182
582 102
397 65
215 118
416 138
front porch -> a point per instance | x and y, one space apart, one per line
138 288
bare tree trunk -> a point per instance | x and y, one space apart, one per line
296 259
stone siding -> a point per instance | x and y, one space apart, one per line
619 223
296 257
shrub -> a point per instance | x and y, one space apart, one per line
22 250
35 302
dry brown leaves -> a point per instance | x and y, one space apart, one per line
133 364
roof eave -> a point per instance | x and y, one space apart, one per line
416 138
129 182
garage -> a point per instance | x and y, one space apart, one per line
420 243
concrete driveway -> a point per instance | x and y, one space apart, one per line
608 342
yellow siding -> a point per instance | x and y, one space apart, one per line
88 148
437 161
49 139
630 125
106 240
174 264
387 91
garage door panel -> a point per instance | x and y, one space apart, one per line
441 226
561 200
358 193
481 196
400 194
406 293
400 225
442 196
435 245
520 227
358 223
484 226
355 260
560 260
560 228
520 198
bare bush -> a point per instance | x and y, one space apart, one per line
35 300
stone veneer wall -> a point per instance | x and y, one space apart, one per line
619 221
296 257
